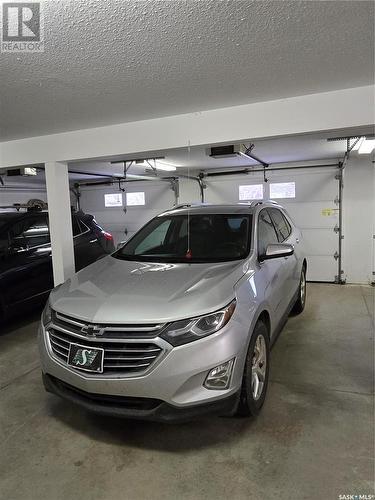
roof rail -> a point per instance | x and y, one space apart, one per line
187 205
181 205
263 202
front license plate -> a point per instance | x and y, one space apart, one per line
86 358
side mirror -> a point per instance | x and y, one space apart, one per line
278 250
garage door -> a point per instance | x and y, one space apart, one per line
143 201
311 198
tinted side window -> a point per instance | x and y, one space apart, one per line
281 224
30 232
76 226
266 232
4 241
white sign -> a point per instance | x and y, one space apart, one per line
113 200
283 190
133 199
251 192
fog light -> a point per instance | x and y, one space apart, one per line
219 377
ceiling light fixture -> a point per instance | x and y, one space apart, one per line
162 165
367 147
141 163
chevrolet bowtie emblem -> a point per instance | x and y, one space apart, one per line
92 330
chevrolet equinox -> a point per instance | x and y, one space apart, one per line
177 322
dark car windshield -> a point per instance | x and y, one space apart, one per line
190 238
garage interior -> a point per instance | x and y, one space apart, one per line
266 100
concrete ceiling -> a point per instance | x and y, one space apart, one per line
115 61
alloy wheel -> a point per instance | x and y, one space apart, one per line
303 288
258 368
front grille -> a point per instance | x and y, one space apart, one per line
119 357
112 331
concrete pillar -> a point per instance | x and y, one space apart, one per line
60 221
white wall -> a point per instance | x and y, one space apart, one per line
359 220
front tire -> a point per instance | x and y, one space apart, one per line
299 306
255 375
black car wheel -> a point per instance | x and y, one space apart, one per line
256 371
299 306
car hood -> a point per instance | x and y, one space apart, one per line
119 291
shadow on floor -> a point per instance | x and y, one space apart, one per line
197 434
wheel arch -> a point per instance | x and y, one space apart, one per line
265 317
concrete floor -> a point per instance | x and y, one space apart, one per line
313 440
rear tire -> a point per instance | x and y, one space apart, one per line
255 375
299 306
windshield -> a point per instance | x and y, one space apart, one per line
211 238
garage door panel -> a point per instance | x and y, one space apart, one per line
321 268
313 214
313 186
123 224
319 241
314 210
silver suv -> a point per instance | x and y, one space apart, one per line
179 321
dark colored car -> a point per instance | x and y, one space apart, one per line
26 275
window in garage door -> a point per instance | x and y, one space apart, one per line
250 192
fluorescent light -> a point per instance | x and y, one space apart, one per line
367 146
359 143
159 165
30 171
141 163
162 165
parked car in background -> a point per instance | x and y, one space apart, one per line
179 321
26 275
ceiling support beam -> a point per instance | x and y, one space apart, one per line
334 110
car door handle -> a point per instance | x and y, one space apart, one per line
94 241
297 240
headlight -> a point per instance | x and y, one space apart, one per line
188 330
47 314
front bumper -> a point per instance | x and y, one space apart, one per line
138 408
176 381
